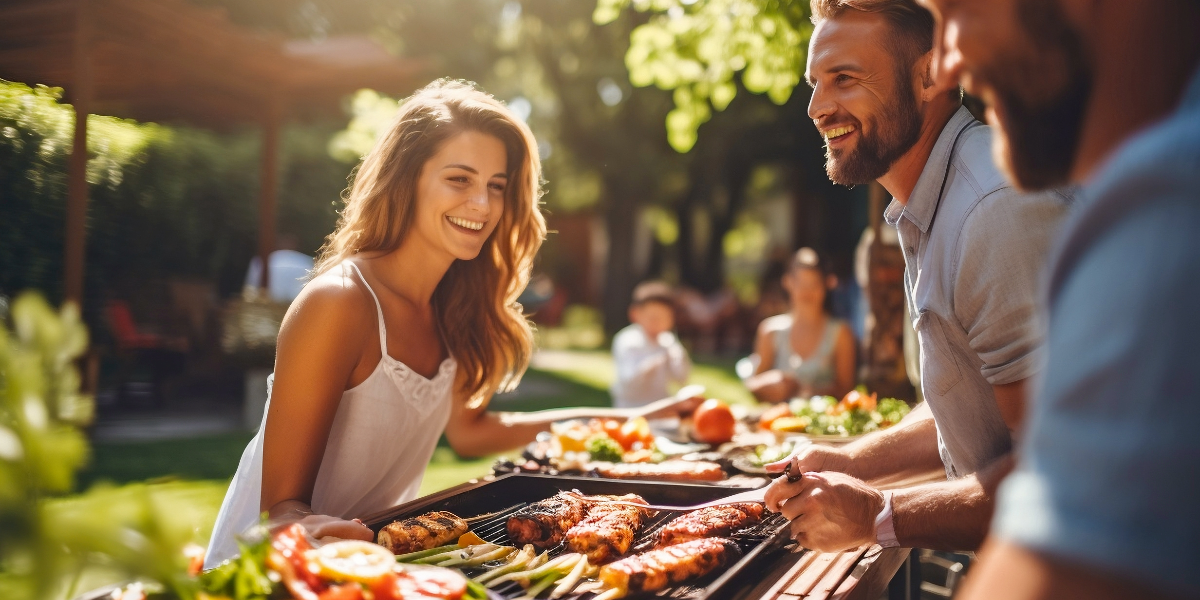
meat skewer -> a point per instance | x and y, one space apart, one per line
422 532
714 521
608 530
545 522
657 569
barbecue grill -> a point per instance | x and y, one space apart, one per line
487 506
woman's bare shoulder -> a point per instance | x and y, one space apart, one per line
333 300
775 323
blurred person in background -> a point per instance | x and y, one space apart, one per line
974 248
805 351
1103 93
647 355
408 328
289 270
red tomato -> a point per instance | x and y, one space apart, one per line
434 583
713 422
775 412
349 591
612 427
290 544
633 431
388 587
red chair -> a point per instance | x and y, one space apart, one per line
164 356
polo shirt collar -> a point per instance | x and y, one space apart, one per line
923 202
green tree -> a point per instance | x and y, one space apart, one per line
697 49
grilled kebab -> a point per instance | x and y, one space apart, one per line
710 522
422 532
657 569
608 530
545 522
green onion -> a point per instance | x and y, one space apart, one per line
571 579
515 563
411 556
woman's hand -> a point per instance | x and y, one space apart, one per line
318 526
773 386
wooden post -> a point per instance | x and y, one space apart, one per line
268 187
75 234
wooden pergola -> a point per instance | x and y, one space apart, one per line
170 61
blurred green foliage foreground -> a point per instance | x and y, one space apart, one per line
48 541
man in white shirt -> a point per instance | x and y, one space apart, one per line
289 271
647 354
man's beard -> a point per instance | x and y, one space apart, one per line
897 129
1038 141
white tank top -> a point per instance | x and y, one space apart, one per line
381 440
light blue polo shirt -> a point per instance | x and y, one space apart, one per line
975 250
1109 469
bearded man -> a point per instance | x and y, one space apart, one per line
1103 93
974 248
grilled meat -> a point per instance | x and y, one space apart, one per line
657 569
422 532
670 470
608 530
710 522
545 522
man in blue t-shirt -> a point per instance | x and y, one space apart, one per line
1104 94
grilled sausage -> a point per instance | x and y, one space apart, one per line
668 470
713 521
545 522
608 530
657 569
422 532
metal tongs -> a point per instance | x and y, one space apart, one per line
756 495
750 496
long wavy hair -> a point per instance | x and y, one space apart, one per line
475 304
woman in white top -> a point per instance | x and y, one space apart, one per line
804 351
408 326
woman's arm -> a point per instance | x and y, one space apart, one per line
474 432
845 361
320 345
764 347
768 383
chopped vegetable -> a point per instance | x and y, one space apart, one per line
571 579
412 556
603 448
351 560
516 562
470 538
856 414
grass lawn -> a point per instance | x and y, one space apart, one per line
560 378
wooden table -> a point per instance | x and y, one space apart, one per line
860 574
799 574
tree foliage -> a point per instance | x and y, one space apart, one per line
164 201
696 49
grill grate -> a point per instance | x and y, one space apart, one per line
494 529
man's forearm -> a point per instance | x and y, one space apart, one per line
949 515
905 451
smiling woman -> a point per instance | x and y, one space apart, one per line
408 326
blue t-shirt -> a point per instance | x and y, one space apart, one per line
1109 469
